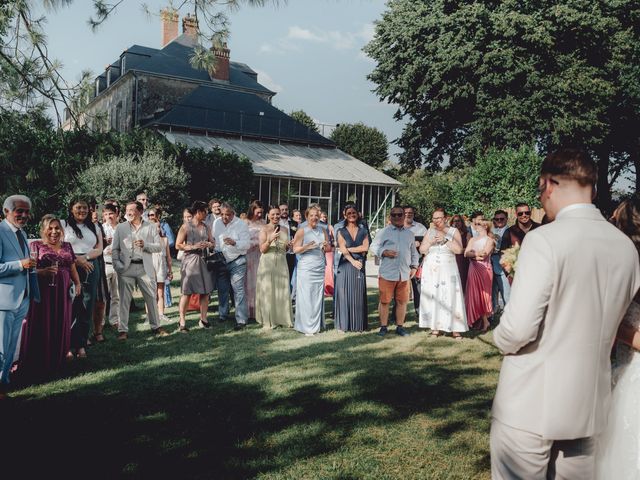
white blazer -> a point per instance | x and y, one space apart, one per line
123 241
575 279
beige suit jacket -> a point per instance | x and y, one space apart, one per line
575 279
123 241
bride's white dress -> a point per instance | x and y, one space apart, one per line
619 444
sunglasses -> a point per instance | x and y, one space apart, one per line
528 213
499 219
20 211
397 215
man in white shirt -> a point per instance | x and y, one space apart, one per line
232 239
133 243
214 208
109 224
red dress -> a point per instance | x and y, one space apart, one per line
46 336
479 284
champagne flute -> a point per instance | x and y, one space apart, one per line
33 256
52 280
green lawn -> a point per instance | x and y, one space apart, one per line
218 404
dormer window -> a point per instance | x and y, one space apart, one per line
97 87
108 77
122 64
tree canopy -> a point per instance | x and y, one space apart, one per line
468 75
305 119
365 143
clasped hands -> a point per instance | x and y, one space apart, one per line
313 244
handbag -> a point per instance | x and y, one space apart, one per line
214 260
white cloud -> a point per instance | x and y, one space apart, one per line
265 79
335 39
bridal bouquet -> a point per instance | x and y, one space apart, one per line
509 259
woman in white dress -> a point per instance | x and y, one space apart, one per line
441 298
161 262
619 445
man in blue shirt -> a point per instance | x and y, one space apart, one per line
395 245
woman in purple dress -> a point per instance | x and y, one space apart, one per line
47 335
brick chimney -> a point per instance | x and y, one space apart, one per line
169 19
190 26
221 71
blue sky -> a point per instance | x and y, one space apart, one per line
309 51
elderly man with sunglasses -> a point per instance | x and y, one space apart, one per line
515 233
18 282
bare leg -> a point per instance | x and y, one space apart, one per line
401 311
204 305
98 320
160 295
182 308
383 311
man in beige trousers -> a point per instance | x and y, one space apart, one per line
575 279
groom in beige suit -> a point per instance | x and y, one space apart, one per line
133 243
575 279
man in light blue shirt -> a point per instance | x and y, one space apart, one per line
395 245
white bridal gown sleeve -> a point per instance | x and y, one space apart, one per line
619 445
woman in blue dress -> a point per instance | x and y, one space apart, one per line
351 283
310 243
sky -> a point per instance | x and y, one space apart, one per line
308 51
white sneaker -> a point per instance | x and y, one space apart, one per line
164 318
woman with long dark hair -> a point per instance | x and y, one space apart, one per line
86 242
351 284
194 238
273 300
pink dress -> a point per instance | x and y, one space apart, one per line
479 282
253 261
46 336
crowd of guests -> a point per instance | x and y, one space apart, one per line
269 267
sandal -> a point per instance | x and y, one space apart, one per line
183 329
457 337
97 338
205 324
435 333
81 353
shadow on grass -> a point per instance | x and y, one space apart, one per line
213 404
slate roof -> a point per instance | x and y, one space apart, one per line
173 60
236 113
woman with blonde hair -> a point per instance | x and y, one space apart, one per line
255 223
480 277
310 244
46 338
441 294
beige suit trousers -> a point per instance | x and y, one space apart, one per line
114 292
516 454
127 281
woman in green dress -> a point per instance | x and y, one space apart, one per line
273 299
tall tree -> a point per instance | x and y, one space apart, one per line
468 75
305 119
365 143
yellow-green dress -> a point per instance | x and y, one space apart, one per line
273 298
